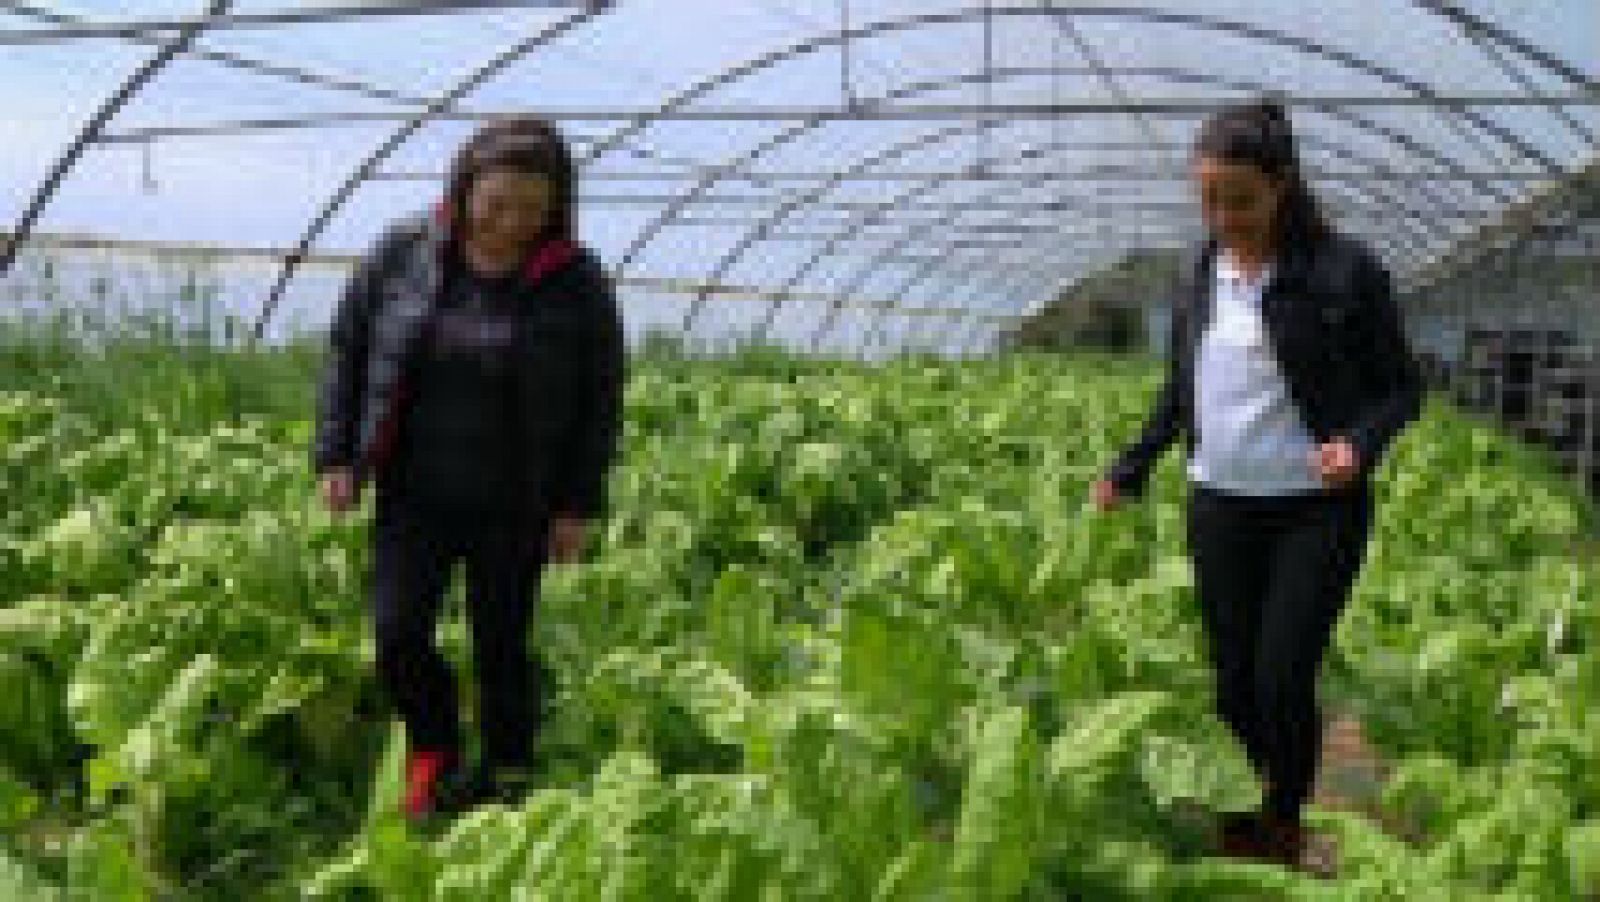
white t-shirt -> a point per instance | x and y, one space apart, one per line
1252 438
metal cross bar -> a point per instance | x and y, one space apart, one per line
766 201
304 15
239 61
1107 173
1180 107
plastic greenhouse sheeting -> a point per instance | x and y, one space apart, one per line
822 173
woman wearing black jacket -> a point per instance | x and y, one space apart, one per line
1289 376
475 376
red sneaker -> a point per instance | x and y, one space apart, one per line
424 770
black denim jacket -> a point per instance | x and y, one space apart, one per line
1336 331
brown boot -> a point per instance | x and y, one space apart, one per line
1300 850
1240 834
1285 841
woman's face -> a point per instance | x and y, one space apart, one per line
1237 201
507 209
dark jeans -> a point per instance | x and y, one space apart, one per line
415 548
1272 575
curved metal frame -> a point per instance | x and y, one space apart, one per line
97 123
740 165
1334 147
850 228
937 262
949 258
1473 127
463 88
1310 47
1486 36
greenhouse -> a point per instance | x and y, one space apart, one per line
868 574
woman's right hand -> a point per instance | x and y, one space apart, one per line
1105 495
339 490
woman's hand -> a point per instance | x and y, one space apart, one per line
339 490
566 539
1105 495
1336 462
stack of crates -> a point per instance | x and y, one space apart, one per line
1569 393
1436 369
1542 384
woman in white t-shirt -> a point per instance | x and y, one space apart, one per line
1289 376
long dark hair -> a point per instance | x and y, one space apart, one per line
1257 133
525 144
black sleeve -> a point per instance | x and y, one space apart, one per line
1395 385
1131 471
578 486
340 388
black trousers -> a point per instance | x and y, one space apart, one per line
415 549
1272 575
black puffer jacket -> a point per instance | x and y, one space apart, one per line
570 380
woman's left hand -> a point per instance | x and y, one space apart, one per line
1337 462
566 539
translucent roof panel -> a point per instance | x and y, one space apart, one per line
809 170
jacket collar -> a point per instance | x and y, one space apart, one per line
543 259
1290 271
1293 264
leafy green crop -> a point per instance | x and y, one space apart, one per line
851 632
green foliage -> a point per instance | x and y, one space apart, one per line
849 633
